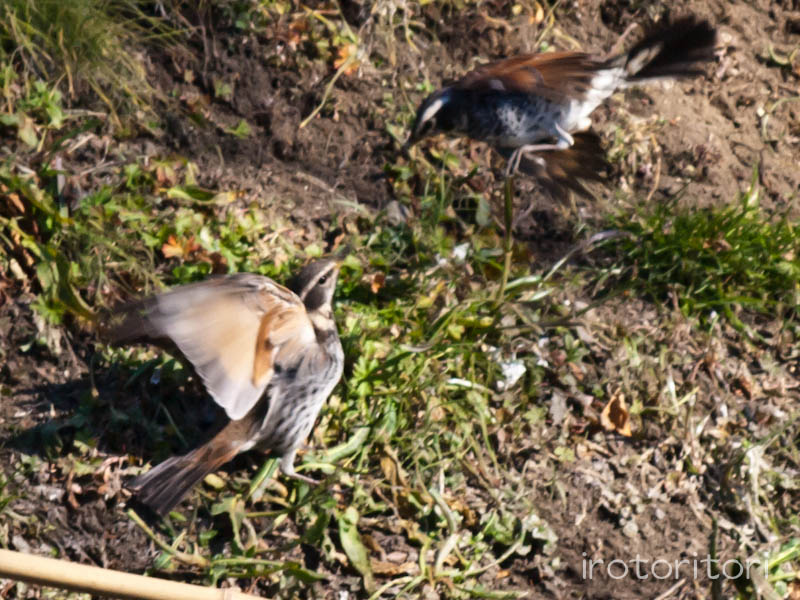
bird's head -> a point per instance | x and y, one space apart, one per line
435 115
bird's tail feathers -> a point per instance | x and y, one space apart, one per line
163 486
674 50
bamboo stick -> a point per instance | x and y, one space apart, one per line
105 582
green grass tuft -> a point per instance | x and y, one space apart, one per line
717 259
84 47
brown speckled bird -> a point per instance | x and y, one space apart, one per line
534 109
268 355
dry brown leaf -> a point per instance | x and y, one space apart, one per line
458 505
538 14
377 282
745 385
72 489
615 416
389 469
372 544
174 248
14 199
343 55
380 567
297 31
576 371
171 248
437 413
165 175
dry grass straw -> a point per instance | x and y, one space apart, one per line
85 47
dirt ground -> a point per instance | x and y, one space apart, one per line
615 501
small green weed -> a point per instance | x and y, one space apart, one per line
112 238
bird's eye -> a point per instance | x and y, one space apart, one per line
323 279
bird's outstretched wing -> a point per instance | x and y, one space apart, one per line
233 329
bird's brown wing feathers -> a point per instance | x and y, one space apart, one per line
553 75
669 50
232 329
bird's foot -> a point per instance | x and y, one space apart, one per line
513 161
287 468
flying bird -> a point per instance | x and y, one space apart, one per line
534 109
268 355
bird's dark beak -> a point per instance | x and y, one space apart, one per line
405 148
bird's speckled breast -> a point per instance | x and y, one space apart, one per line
512 120
296 395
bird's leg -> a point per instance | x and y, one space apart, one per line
565 140
287 467
524 214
